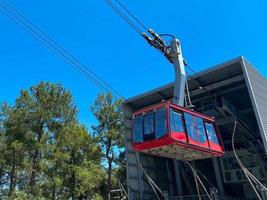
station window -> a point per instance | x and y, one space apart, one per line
160 123
238 174
233 164
138 129
227 176
261 173
190 126
249 161
211 133
176 121
149 126
225 164
201 130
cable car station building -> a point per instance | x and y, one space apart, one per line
232 91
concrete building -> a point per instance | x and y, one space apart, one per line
230 91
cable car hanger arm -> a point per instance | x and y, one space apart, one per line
173 53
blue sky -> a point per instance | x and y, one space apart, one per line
211 32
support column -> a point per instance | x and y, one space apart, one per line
218 175
178 179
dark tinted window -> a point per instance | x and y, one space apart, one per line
228 176
211 133
190 128
176 121
149 124
160 123
138 129
233 164
238 174
261 173
225 164
201 130
249 160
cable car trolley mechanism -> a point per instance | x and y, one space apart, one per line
169 129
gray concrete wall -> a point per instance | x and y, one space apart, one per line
133 171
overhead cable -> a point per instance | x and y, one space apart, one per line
132 15
37 33
120 13
199 81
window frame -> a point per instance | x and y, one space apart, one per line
194 127
214 133
182 120
198 137
147 136
134 128
150 136
166 125
204 129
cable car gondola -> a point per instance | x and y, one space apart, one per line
169 130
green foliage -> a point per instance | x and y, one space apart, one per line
21 195
109 132
121 169
44 152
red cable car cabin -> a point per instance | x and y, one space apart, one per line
173 131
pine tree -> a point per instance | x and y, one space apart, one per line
44 152
109 131
78 160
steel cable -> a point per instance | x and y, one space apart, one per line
132 15
198 178
28 26
247 173
117 10
150 180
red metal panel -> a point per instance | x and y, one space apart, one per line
179 136
153 143
152 107
219 138
216 147
196 143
